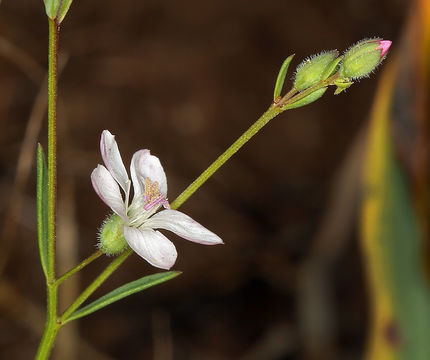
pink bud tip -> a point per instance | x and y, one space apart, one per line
384 45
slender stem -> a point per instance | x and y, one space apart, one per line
248 134
78 267
94 285
289 95
52 142
51 326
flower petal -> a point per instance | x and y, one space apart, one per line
144 165
108 190
153 246
112 159
138 182
183 226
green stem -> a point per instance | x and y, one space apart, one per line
52 142
288 96
248 134
51 326
94 285
78 267
274 110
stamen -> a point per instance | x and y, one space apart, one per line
159 201
153 196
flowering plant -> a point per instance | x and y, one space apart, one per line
140 205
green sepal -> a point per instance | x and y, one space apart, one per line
313 96
122 292
281 77
111 236
42 207
331 68
342 85
57 9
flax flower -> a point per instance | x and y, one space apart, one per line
140 216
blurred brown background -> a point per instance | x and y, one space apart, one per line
184 79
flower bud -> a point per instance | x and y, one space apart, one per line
362 58
111 236
313 70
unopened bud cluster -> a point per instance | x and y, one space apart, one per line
357 62
328 68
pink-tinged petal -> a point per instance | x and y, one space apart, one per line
108 190
384 45
144 165
112 159
153 246
183 226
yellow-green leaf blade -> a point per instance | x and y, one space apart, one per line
392 243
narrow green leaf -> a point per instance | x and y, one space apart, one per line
313 96
281 77
51 8
57 9
122 292
65 5
42 208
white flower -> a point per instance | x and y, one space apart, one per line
140 216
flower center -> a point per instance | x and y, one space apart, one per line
153 197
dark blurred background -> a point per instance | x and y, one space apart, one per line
185 79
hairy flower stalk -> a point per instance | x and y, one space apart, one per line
138 218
